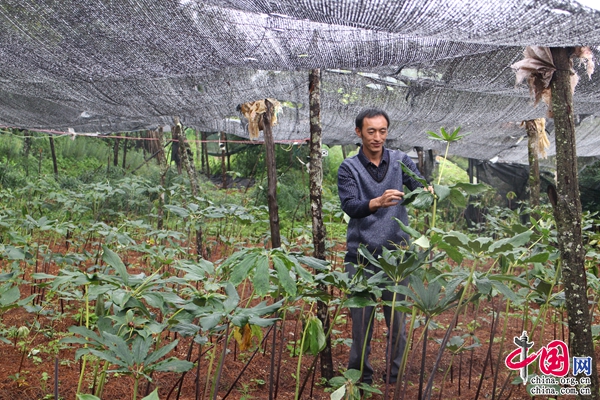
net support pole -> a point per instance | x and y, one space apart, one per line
223 169
187 160
568 217
316 207
534 164
271 176
53 154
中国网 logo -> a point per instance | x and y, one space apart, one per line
553 360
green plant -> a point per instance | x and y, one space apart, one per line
349 387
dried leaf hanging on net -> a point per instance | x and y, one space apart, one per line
253 112
537 67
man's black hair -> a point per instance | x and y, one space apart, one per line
370 113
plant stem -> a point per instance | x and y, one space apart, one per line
406 350
87 325
135 387
434 212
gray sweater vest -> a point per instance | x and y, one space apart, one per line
379 229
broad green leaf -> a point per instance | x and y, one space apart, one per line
434 136
483 285
364 252
353 375
502 288
160 353
312 262
410 173
509 278
81 396
10 296
303 273
113 259
232 299
411 231
173 365
471 188
152 396
262 322
210 321
510 243
359 302
185 329
536 258
441 191
423 201
283 274
242 269
423 242
452 251
457 198
119 347
339 393
314 337
15 253
457 239
180 211
261 275
108 356
140 348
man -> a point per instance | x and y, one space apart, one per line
370 186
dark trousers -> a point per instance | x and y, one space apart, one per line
362 330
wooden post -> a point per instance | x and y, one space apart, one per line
420 161
176 136
271 176
223 168
124 165
116 152
568 217
534 165
187 161
199 149
53 154
162 162
316 206
205 154
27 145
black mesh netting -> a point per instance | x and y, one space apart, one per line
110 66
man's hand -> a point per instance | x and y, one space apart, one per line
389 198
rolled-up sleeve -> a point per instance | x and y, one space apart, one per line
349 194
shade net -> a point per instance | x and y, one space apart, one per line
103 66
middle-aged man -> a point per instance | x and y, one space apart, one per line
370 186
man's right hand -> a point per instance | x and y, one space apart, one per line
389 198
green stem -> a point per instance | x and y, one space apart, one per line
209 370
87 325
135 387
434 211
102 380
297 393
413 319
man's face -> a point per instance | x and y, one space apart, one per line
373 134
